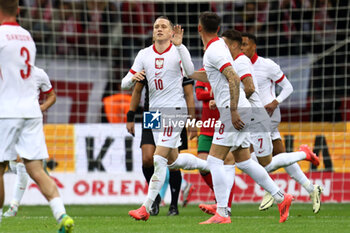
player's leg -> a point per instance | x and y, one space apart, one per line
18 189
261 177
10 129
32 149
297 174
176 178
215 161
160 159
204 143
229 165
165 186
148 147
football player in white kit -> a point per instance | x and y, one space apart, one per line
161 63
235 115
43 84
260 126
267 74
21 124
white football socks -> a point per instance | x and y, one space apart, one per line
219 182
261 177
189 161
20 184
57 207
230 177
297 174
157 180
284 160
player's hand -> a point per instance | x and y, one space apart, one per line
193 132
270 108
130 126
212 105
139 76
178 35
236 120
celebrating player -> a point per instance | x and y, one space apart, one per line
235 112
148 145
161 63
21 123
267 74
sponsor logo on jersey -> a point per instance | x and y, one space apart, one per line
159 63
152 120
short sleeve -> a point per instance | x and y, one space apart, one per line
275 72
43 81
216 59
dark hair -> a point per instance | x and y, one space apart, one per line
250 36
164 17
9 7
233 35
210 21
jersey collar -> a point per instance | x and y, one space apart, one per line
10 23
239 55
254 58
211 41
155 50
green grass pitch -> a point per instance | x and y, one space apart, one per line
245 218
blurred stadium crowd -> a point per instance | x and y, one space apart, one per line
116 30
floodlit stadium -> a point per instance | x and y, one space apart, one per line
87 47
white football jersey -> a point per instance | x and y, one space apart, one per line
244 68
163 74
42 81
267 73
216 58
18 93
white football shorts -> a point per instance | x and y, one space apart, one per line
227 135
23 137
170 133
261 138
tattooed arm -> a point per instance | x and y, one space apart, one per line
234 85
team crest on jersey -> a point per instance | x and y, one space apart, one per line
159 63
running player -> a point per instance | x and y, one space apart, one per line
267 74
43 84
161 64
21 123
235 112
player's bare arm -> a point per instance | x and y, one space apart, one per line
139 76
249 87
135 101
234 83
50 100
270 108
188 91
200 76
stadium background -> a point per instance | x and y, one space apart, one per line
87 47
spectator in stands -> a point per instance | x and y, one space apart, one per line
98 18
137 21
40 24
69 38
